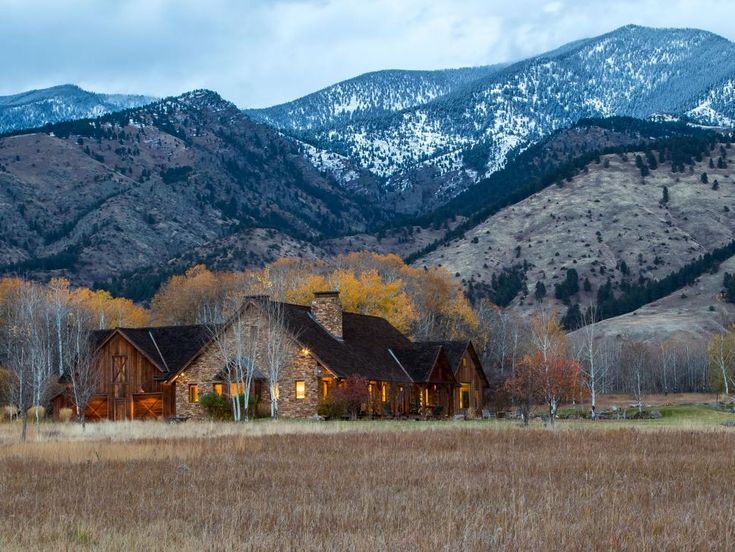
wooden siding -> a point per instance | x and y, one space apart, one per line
127 386
469 373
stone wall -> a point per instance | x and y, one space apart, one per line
299 366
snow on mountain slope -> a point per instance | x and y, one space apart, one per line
392 129
60 103
370 95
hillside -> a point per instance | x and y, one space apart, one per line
67 102
695 312
441 147
608 222
96 199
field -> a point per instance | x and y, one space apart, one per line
648 485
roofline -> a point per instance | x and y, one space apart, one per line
120 331
393 355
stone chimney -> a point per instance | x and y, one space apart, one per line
326 308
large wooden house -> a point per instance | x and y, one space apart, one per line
161 372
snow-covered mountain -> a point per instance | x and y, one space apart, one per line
367 96
60 103
464 130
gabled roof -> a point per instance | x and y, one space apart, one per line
419 360
370 346
455 351
364 348
223 375
169 348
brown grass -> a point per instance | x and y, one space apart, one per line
407 486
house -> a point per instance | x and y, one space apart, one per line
161 372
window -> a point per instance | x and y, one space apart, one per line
384 393
218 390
325 388
464 395
300 389
193 393
236 389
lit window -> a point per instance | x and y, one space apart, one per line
236 389
278 391
218 390
300 389
384 393
193 393
325 389
464 395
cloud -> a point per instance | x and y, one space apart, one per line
261 52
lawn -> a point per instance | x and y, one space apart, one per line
652 485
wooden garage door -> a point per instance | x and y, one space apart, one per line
147 406
97 409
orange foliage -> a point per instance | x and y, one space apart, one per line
550 380
427 303
106 310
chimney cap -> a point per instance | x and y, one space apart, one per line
333 293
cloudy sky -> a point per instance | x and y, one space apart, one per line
262 52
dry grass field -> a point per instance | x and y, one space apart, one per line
368 486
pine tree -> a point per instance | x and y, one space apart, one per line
665 197
540 291
704 178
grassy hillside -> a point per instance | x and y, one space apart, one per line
607 222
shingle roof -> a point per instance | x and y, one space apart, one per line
223 374
454 349
364 348
419 360
370 346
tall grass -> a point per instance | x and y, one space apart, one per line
344 487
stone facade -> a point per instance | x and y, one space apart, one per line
300 367
327 310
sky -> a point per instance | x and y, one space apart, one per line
258 53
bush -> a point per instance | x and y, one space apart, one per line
219 407
9 412
36 412
332 408
216 406
65 415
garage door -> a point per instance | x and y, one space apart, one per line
97 409
147 406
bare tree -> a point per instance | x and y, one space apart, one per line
28 350
278 346
58 294
587 353
635 360
238 342
81 362
721 353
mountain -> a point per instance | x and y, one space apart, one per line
619 227
431 151
97 199
367 96
60 103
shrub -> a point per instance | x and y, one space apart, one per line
36 412
65 415
331 408
216 406
9 412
